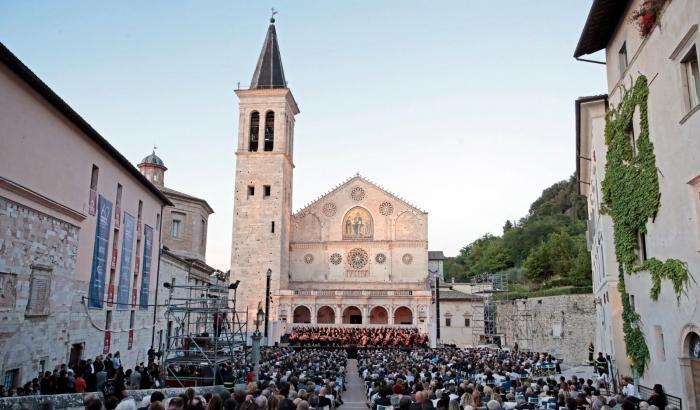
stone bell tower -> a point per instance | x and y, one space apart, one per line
263 191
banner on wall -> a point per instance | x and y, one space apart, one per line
146 272
123 288
96 292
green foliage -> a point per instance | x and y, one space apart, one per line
551 237
673 269
554 256
631 197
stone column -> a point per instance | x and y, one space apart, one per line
255 355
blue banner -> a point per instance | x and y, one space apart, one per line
146 269
96 292
125 269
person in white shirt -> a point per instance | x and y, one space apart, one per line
629 389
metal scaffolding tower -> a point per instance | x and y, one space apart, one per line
486 326
208 332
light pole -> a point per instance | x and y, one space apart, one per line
267 304
255 354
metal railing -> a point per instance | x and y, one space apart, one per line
646 392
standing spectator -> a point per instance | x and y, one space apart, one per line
658 397
116 360
80 383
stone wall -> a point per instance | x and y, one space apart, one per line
37 284
562 325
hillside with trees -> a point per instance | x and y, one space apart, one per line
543 253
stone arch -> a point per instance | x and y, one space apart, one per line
352 315
378 316
403 316
307 228
358 223
302 314
325 315
690 364
408 226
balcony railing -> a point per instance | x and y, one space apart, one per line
351 292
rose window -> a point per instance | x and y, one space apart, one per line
407 258
329 209
380 258
336 259
357 193
308 258
357 258
386 208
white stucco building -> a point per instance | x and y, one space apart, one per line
357 255
668 56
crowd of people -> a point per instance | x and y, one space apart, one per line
90 376
314 378
288 380
469 379
326 336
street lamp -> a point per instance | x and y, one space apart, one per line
255 354
267 302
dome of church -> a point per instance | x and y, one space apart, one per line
153 159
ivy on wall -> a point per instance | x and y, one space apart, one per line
631 197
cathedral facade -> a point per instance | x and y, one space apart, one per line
357 256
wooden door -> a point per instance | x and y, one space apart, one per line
695 368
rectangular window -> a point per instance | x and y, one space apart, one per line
119 195
108 320
251 191
467 322
157 222
132 316
203 236
660 348
272 227
642 247
692 77
93 178
176 228
39 292
622 59
448 321
92 204
266 191
632 302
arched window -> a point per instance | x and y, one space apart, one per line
269 130
254 129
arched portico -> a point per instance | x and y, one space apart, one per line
302 314
325 315
403 316
352 315
378 316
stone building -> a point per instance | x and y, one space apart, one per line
357 255
666 53
79 236
184 238
461 314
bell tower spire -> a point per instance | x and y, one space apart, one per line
269 72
